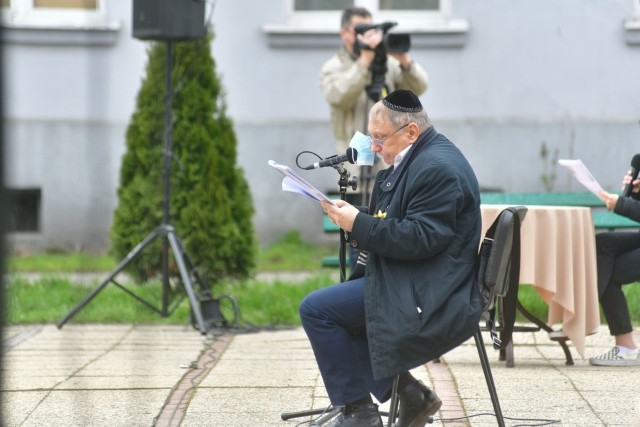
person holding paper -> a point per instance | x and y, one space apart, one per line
618 258
416 298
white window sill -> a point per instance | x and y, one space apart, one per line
95 35
632 31
452 34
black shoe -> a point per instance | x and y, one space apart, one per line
417 404
358 416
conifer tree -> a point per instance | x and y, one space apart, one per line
210 202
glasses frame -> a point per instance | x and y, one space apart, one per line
380 142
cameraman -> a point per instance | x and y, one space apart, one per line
347 75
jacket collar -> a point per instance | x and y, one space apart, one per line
391 179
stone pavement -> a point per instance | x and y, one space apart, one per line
124 375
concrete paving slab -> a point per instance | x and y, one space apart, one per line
117 408
123 375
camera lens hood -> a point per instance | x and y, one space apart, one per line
397 42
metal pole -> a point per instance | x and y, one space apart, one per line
166 175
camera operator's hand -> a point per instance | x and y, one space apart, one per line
403 58
371 39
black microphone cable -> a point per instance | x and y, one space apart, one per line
305 152
538 421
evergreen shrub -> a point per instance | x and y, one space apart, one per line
210 202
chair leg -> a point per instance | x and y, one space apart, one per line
484 361
393 405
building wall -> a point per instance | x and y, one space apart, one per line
527 75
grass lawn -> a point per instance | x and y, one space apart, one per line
47 298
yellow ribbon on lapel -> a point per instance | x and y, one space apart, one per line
380 214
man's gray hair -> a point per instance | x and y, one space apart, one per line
399 118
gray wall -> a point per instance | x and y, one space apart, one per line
558 73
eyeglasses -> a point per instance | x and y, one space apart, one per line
380 142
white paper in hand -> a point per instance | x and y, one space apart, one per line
297 184
582 174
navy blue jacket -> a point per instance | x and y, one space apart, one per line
422 235
629 206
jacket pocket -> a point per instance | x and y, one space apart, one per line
413 310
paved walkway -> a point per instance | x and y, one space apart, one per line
122 375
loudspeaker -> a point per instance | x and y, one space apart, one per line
168 19
211 314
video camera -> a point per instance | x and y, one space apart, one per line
391 42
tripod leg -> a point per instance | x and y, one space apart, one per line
184 274
130 256
193 270
325 414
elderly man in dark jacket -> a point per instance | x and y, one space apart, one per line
418 297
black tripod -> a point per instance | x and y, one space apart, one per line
164 231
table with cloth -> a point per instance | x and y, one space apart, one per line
558 258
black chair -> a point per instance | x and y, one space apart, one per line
498 278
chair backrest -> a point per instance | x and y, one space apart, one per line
499 270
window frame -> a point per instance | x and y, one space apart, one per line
23 14
408 20
319 29
632 26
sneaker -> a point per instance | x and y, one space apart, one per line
614 358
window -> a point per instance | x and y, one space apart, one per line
410 14
300 5
54 13
315 23
632 25
55 22
24 210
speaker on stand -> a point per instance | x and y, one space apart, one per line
167 21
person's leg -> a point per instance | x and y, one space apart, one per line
627 266
381 388
609 245
625 269
615 309
614 304
334 321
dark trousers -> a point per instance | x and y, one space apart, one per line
618 255
333 319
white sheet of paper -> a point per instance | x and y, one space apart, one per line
295 183
582 174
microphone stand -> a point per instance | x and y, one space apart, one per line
326 414
343 183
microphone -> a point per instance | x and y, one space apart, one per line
635 168
350 156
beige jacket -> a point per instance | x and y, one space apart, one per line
344 83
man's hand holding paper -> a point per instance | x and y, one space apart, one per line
341 213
